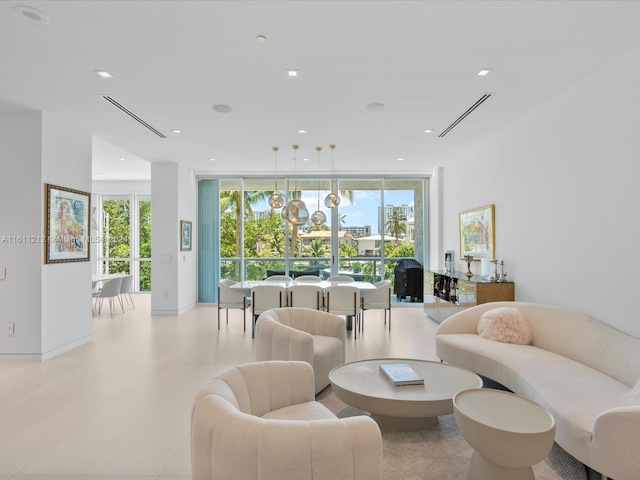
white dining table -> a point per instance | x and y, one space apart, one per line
246 285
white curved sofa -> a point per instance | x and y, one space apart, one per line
260 421
576 367
304 334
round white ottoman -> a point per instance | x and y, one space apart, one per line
508 433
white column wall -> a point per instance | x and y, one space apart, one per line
564 181
49 304
164 239
188 260
21 207
66 287
173 272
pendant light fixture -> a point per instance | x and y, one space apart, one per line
318 217
276 201
297 212
332 200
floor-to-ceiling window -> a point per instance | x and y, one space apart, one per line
381 216
125 240
378 221
144 244
402 221
231 206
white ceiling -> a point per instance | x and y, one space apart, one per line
173 60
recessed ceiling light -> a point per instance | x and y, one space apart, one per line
375 107
293 74
122 159
31 14
484 71
261 39
221 108
305 159
212 159
103 73
401 159
302 130
176 131
429 130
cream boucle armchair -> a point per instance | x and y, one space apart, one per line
260 421
305 334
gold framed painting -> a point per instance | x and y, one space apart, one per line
67 214
477 233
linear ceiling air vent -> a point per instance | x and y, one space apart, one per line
464 115
132 115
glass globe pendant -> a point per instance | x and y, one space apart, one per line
297 212
318 217
332 200
276 200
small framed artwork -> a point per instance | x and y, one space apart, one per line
67 225
477 233
185 235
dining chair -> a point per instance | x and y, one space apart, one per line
308 278
230 298
378 298
111 290
126 288
266 297
340 278
279 278
344 300
306 296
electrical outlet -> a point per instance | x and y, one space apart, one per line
165 294
10 329
3 273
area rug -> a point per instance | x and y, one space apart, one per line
441 453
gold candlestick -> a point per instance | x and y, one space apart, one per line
469 259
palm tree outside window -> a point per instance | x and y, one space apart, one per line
396 225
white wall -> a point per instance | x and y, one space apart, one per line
21 197
164 239
173 272
188 260
50 304
121 187
66 287
564 182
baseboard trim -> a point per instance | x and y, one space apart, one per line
41 357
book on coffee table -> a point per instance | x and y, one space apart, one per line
401 374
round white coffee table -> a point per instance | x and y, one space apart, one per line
508 433
407 407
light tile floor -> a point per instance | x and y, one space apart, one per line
118 408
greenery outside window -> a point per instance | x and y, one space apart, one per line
125 223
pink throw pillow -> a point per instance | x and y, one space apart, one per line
505 324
